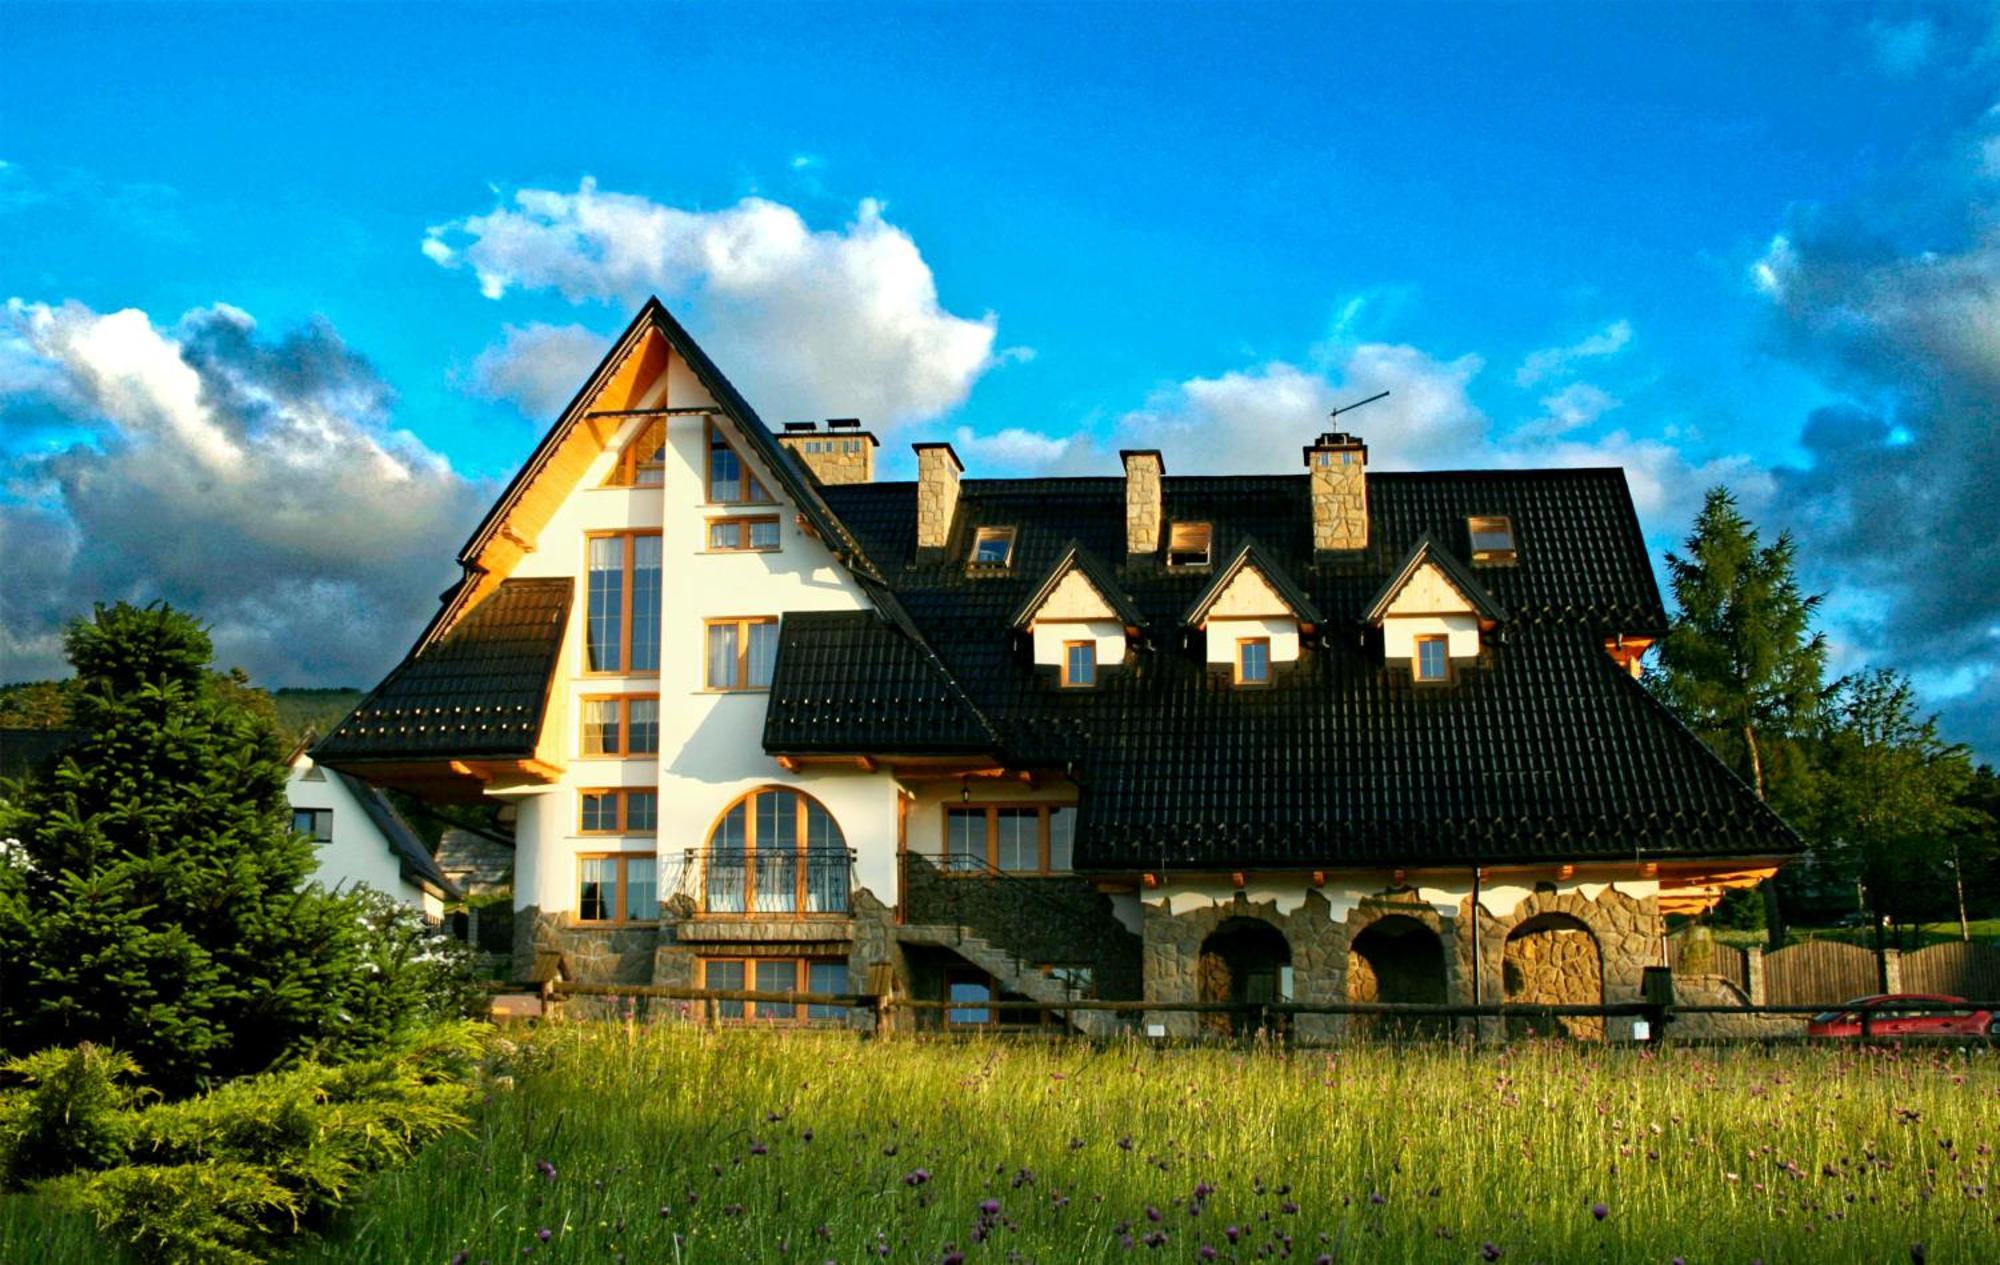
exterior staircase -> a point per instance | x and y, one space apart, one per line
1011 974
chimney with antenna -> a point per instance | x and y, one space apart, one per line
1337 463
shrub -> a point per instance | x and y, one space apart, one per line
75 1112
410 975
188 1212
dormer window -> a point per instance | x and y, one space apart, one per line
1432 660
643 463
1079 665
1492 539
993 548
1253 661
1187 545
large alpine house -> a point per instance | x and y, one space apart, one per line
762 722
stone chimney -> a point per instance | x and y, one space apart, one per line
1338 465
842 453
938 468
1143 470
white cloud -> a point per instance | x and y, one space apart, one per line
1574 407
257 481
1902 48
812 323
1010 449
1558 361
538 367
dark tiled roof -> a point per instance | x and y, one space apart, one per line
1250 555
480 691
412 857
1544 750
849 681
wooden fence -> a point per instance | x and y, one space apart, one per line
1958 968
1819 973
1689 956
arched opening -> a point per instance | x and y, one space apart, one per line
1554 960
1397 959
1245 962
775 853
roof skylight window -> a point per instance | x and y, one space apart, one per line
993 548
1492 539
1187 545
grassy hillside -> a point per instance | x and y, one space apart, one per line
684 1146
45 705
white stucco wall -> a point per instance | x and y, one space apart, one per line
1283 631
1400 633
711 748
1109 635
358 855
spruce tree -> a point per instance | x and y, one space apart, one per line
1741 663
154 899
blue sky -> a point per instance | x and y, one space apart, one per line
1734 242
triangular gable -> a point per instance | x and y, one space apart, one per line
1078 587
1252 585
621 384
1432 581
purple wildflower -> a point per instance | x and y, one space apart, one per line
1207 1253
758 1148
916 1177
952 1258
460 1257
1152 1213
991 1207
1377 1198
544 1235
1599 1211
1489 1251
1232 1232
547 1169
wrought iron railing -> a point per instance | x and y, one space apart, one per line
777 884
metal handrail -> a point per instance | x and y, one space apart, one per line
980 868
740 874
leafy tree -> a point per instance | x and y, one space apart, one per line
1741 664
155 900
35 705
1891 808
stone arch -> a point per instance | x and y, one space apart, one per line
1630 936
1243 961
1553 958
1397 957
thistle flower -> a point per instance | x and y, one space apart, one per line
1489 1251
1599 1211
544 1234
990 1207
916 1177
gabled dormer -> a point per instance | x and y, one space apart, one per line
1433 614
1252 616
1078 619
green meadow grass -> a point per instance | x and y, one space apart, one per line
681 1145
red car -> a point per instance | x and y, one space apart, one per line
1893 1015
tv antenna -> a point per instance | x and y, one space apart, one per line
1349 408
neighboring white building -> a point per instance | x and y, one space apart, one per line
362 839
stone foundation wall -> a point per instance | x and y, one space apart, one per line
1714 990
1057 919
1555 966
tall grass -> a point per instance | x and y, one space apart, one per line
680 1145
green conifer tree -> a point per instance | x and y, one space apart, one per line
154 898
1741 663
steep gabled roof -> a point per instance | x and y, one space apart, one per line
851 682
479 691
1077 558
1427 550
1252 557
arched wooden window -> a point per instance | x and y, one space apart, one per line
643 462
776 852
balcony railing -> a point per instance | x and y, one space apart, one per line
758 884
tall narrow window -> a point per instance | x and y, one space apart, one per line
1432 659
1079 664
729 482
643 462
622 603
617 887
742 653
776 853
1253 661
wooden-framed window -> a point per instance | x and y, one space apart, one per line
642 463
618 811
621 725
315 824
757 534
1009 838
622 602
1430 660
992 549
776 852
972 992
775 975
1079 665
1188 544
1492 539
617 887
741 653
728 478
1253 660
